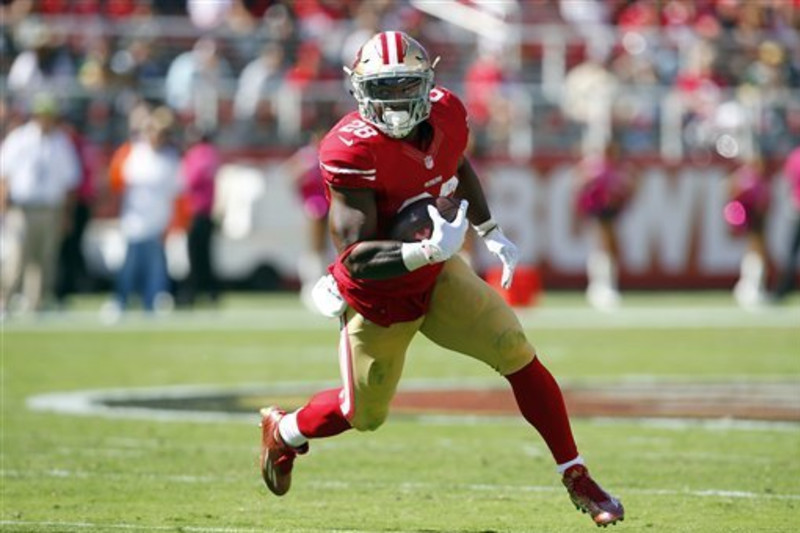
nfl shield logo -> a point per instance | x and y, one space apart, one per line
428 162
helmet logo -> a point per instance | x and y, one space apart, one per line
428 162
392 50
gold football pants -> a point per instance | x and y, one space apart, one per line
466 315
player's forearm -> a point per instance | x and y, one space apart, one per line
3 195
376 260
470 189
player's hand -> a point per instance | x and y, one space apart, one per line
327 298
447 238
507 251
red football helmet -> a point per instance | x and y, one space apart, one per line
392 78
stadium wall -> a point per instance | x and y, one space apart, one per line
673 235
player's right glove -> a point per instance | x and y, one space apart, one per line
327 298
446 239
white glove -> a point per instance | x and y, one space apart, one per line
446 239
327 298
499 245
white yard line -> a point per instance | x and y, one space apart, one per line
412 487
126 527
60 473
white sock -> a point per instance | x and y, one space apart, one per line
564 466
289 431
601 270
753 271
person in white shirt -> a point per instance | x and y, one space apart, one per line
39 172
195 80
151 183
258 85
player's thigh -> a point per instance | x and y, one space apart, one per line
468 316
372 359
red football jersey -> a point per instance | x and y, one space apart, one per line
355 154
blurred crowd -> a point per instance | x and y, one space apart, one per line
264 71
679 79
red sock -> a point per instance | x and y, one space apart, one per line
322 416
541 403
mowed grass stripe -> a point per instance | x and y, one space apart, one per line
269 319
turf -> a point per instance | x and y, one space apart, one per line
88 473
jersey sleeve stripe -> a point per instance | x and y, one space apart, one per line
338 170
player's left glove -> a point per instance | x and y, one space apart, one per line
446 239
499 245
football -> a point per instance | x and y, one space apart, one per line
413 224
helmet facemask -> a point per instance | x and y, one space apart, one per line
394 104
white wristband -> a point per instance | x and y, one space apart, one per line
485 228
415 255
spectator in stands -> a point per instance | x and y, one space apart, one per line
194 82
13 11
42 66
604 188
698 90
146 173
39 173
745 213
366 23
95 72
488 101
258 84
207 15
115 9
309 67
136 63
303 168
764 83
586 15
768 71
788 273
199 169
324 22
588 95
279 23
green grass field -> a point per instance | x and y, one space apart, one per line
65 472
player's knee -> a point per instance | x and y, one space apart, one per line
513 351
369 419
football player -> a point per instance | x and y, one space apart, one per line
407 142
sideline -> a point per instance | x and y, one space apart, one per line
298 319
